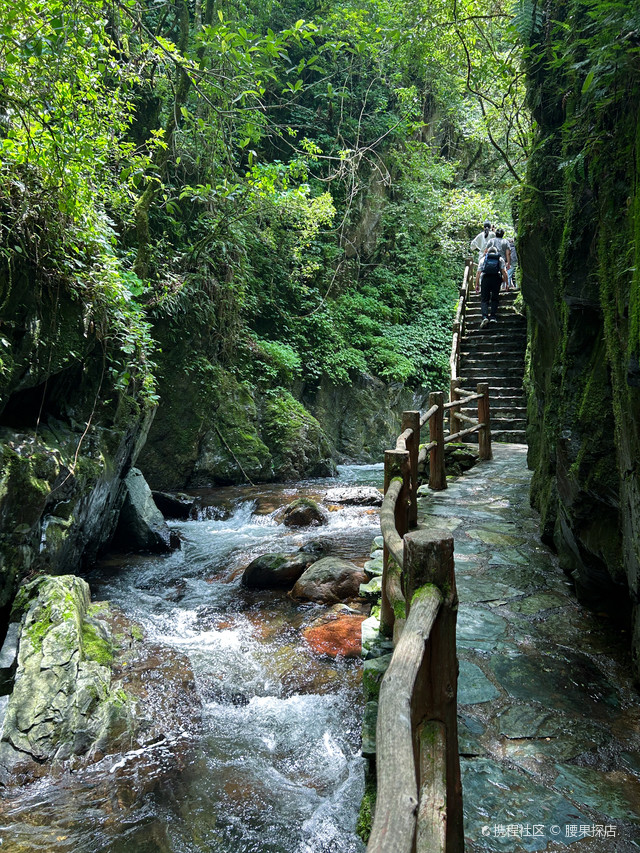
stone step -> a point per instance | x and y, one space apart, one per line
517 336
483 370
505 315
483 349
497 388
477 363
492 361
512 436
504 310
495 332
492 345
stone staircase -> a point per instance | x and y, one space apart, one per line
496 355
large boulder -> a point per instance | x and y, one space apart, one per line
304 512
296 440
63 701
142 526
82 686
68 431
270 571
329 580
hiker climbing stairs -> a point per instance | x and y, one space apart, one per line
496 354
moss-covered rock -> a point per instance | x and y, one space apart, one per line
82 687
63 701
362 420
329 580
206 431
579 249
304 512
60 506
367 807
296 440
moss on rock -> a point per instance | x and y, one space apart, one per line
579 251
296 440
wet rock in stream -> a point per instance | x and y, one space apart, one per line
141 526
354 496
274 570
304 512
336 634
329 580
87 685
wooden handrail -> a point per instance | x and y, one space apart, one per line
427 415
460 318
401 441
460 417
461 434
419 792
394 826
452 404
392 540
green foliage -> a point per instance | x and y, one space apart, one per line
269 363
283 180
63 136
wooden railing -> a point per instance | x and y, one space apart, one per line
460 318
419 793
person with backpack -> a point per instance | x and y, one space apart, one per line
504 249
491 274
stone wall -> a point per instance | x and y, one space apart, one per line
578 248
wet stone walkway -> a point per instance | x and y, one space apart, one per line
549 718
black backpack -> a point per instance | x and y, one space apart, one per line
492 267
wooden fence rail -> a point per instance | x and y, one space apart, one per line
419 792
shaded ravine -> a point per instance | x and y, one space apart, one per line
548 713
277 768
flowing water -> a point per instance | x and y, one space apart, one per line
277 767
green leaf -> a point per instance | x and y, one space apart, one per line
588 80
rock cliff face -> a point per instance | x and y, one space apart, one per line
211 429
579 245
67 436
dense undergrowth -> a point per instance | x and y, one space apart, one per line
287 188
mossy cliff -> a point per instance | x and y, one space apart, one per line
214 427
68 434
579 244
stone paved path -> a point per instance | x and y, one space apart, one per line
549 718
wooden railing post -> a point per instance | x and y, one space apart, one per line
453 396
411 420
437 473
396 464
428 559
484 417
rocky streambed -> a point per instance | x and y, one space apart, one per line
259 748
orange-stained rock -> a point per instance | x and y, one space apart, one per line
339 635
